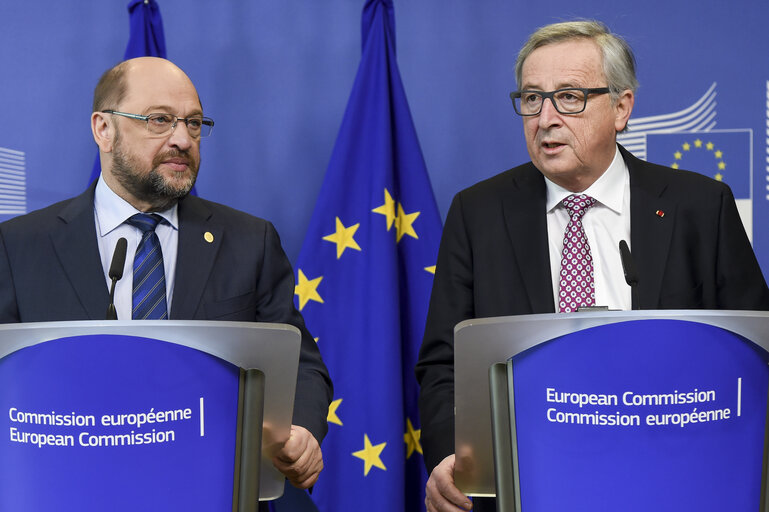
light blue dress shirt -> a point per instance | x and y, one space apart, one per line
110 214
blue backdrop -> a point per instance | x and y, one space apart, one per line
276 77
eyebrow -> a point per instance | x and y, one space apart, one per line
563 85
166 109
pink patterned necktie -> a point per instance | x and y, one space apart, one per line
576 284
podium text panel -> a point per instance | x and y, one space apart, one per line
649 414
153 426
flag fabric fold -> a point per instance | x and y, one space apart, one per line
364 277
146 38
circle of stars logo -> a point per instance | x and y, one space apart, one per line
698 144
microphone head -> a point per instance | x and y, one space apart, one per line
631 278
118 259
624 250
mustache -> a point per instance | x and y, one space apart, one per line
173 153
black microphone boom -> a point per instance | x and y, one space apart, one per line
631 276
116 273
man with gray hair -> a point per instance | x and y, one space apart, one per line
509 240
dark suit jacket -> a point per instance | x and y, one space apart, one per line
50 271
494 261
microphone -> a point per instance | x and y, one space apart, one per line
115 273
631 276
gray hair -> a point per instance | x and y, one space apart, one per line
618 59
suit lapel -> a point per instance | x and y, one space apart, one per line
652 218
526 222
199 242
77 249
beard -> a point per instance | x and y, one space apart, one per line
150 186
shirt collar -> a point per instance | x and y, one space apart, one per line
609 189
112 210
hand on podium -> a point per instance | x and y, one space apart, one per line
441 494
300 458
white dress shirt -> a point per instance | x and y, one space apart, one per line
605 224
110 213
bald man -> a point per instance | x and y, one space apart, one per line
148 121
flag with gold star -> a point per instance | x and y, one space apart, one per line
364 277
723 155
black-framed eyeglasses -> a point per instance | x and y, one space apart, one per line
163 124
571 100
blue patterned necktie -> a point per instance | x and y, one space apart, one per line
149 286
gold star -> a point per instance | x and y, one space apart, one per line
721 166
686 146
332 417
719 177
387 209
316 339
431 269
411 437
370 455
307 289
719 154
404 223
674 166
343 238
678 155
698 143
709 146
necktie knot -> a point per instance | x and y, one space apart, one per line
145 221
578 204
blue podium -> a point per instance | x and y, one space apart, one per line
144 415
642 410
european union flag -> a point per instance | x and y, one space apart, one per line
146 39
724 155
364 278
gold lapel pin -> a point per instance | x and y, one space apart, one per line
208 237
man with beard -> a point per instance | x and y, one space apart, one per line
217 263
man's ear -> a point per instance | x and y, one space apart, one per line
103 131
622 109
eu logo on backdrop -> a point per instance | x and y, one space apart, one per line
687 139
723 155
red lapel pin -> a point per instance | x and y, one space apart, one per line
660 213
